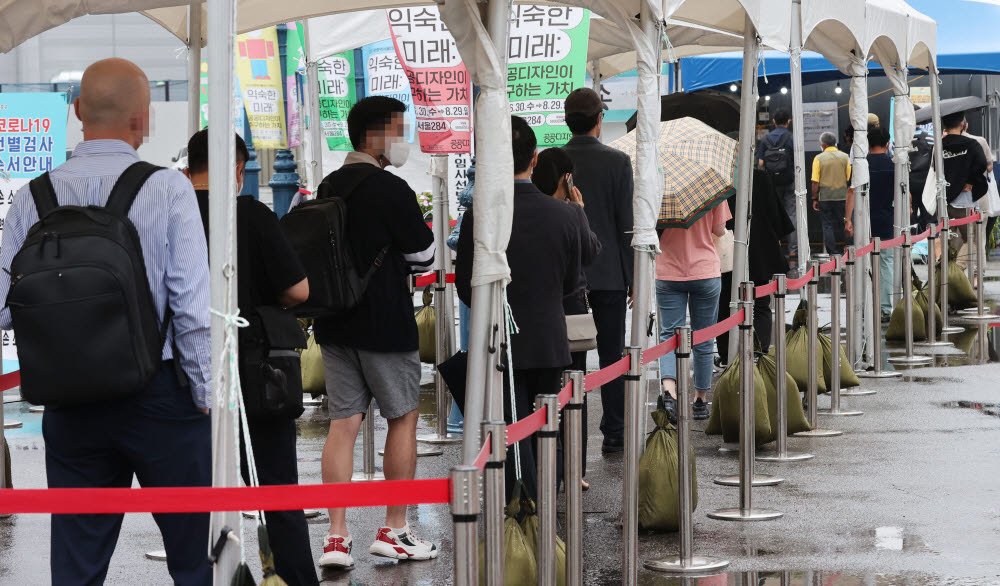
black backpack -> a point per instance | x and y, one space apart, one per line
84 317
778 160
318 232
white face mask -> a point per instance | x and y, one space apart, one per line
398 152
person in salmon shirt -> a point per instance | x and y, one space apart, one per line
688 280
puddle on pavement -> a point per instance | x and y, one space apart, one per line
992 409
793 578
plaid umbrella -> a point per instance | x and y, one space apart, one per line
699 169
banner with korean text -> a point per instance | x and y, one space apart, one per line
32 142
439 80
337 95
258 70
547 55
384 76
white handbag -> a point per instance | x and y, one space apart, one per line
724 247
989 204
929 196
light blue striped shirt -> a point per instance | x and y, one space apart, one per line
165 214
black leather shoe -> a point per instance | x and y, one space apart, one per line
613 445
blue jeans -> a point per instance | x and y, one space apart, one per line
673 299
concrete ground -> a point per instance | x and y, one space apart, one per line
910 494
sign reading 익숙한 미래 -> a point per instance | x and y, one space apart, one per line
384 76
32 142
546 56
259 72
439 80
337 96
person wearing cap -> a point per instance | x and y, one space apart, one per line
604 177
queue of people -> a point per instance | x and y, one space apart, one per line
569 254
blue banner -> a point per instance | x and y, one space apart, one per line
32 134
384 76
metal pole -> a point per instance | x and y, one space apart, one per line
194 68
493 497
812 361
781 453
942 205
222 242
932 341
877 371
317 142
368 472
595 69
465 516
835 342
744 183
747 479
547 437
909 358
634 403
685 562
573 474
851 268
798 145
981 315
945 223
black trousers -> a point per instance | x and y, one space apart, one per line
277 463
528 383
159 437
609 309
763 319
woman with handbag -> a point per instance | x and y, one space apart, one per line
553 175
688 279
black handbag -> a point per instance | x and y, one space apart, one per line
269 350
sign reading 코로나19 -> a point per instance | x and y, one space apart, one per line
32 141
336 97
259 73
547 55
439 80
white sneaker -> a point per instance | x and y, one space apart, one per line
337 553
402 545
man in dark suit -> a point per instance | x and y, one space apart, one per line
544 258
604 177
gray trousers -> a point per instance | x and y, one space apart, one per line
786 196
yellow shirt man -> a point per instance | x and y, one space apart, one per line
831 171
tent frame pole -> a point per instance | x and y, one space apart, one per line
744 181
798 145
314 173
194 68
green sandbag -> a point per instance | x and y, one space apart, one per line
427 330
519 559
659 484
529 525
797 353
923 303
311 360
897 322
796 417
727 397
960 291
848 378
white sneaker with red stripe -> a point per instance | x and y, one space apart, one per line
337 552
402 545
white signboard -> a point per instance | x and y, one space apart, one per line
819 117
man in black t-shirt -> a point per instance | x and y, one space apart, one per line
964 170
371 351
276 277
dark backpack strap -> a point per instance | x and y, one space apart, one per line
128 186
43 194
326 188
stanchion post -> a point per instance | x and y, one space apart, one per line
877 371
746 512
368 472
980 315
932 341
909 359
945 224
465 516
493 497
548 435
685 562
441 347
781 453
573 475
634 411
812 358
835 343
850 276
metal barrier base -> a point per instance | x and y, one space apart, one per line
818 432
839 413
910 360
975 318
36 409
12 424
310 402
758 480
933 345
730 449
857 391
420 452
362 477
745 514
157 555
873 374
788 457
698 564
449 438
948 330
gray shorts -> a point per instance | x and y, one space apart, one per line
354 377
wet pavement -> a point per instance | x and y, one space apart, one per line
909 495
